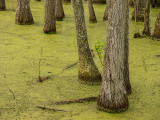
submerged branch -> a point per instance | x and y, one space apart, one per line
49 108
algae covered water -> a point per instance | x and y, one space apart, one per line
21 47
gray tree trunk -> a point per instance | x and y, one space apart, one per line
49 18
92 16
87 71
23 13
146 30
156 33
2 5
59 10
113 95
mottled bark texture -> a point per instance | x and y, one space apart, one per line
100 1
113 95
2 5
49 18
156 33
23 13
140 7
59 10
105 17
87 71
146 30
92 16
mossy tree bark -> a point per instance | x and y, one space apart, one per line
156 33
49 18
23 13
100 1
87 71
140 6
105 17
92 16
146 30
113 95
2 5
59 10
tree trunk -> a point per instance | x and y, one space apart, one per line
113 96
87 71
67 1
100 1
140 6
156 33
49 18
106 13
126 53
131 3
23 13
92 16
2 5
59 10
146 30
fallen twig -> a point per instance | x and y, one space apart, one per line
49 108
12 93
81 100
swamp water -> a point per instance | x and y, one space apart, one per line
20 51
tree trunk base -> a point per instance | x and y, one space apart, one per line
24 23
136 35
93 20
112 110
90 80
49 32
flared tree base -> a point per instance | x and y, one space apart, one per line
112 107
2 8
113 110
136 35
93 20
24 23
90 79
105 18
147 33
49 32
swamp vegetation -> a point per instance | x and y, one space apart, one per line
23 46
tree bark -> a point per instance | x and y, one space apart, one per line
113 95
105 17
156 33
23 13
99 1
140 6
146 30
126 52
87 71
49 19
59 10
2 5
92 16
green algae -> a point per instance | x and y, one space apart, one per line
20 46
